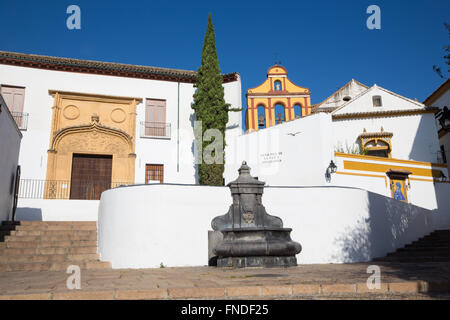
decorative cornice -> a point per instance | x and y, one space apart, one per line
93 97
95 125
322 109
380 134
398 174
103 68
388 113
393 160
278 93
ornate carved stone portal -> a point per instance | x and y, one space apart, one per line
252 237
96 125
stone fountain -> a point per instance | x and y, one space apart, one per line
252 237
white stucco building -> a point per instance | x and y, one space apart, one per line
70 108
376 138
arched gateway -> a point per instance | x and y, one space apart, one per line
92 144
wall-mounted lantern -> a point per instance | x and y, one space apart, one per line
332 167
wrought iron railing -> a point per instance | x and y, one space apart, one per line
65 189
21 119
155 130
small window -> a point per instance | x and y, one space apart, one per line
277 85
347 98
378 153
377 148
154 172
377 101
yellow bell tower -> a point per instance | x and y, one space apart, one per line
275 101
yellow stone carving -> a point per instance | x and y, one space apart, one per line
71 112
118 115
92 124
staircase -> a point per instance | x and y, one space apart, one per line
48 246
434 247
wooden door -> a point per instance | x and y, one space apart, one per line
91 175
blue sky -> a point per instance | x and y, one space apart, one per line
323 44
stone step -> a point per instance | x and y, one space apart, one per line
47 244
434 238
43 227
34 233
421 248
48 250
420 253
48 258
446 231
57 266
413 259
47 222
69 237
425 247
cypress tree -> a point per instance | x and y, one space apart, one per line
209 105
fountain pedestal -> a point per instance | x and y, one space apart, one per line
252 237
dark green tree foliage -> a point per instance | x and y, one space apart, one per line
210 107
446 57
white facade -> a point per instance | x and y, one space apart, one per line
175 153
10 138
349 91
291 154
298 152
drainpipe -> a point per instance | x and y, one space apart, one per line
178 127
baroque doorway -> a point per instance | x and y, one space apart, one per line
92 144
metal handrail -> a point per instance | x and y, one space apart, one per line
16 193
61 189
155 129
21 119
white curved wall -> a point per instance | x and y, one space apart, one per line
10 138
143 226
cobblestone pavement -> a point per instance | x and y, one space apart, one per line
274 282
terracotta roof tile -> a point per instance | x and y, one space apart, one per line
100 67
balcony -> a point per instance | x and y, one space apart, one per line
21 119
155 130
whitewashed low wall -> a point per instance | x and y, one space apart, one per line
441 217
57 210
143 226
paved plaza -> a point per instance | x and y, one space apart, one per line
340 281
